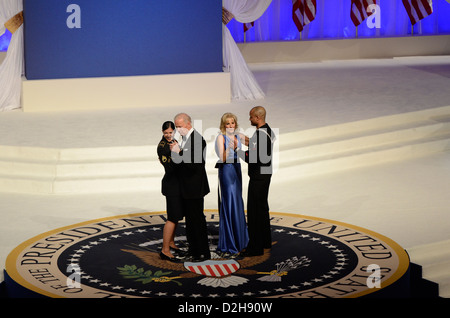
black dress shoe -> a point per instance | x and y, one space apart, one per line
168 258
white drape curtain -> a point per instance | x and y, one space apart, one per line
243 83
12 68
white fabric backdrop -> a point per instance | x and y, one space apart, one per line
12 68
243 84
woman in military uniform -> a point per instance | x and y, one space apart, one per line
170 188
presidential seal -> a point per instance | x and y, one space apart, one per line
119 257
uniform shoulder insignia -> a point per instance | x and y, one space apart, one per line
162 143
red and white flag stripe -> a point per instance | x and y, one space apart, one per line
214 270
303 12
418 9
359 10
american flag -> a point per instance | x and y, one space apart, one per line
303 12
418 9
248 26
359 10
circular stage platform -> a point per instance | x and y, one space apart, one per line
119 257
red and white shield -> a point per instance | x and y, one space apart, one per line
213 268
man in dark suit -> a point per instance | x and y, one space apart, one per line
190 162
259 159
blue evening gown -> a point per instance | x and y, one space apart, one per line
233 234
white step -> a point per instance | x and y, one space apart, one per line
79 185
435 261
344 160
39 154
375 139
367 127
298 155
364 143
444 289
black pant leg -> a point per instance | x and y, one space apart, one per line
196 228
259 230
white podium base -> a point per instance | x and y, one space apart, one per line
125 92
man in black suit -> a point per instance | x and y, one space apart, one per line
189 157
259 159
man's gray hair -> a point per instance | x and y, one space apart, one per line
184 116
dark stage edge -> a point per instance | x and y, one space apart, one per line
117 257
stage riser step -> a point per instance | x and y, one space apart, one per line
90 170
118 166
367 127
435 261
438 272
80 186
432 253
386 129
444 290
332 149
101 154
366 143
106 180
352 161
142 180
420 287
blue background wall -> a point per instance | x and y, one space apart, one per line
122 38
332 22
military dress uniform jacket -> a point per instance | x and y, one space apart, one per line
170 183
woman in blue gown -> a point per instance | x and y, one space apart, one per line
233 235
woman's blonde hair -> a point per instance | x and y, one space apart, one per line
223 121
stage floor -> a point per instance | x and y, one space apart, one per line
406 201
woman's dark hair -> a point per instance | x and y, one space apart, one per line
168 124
